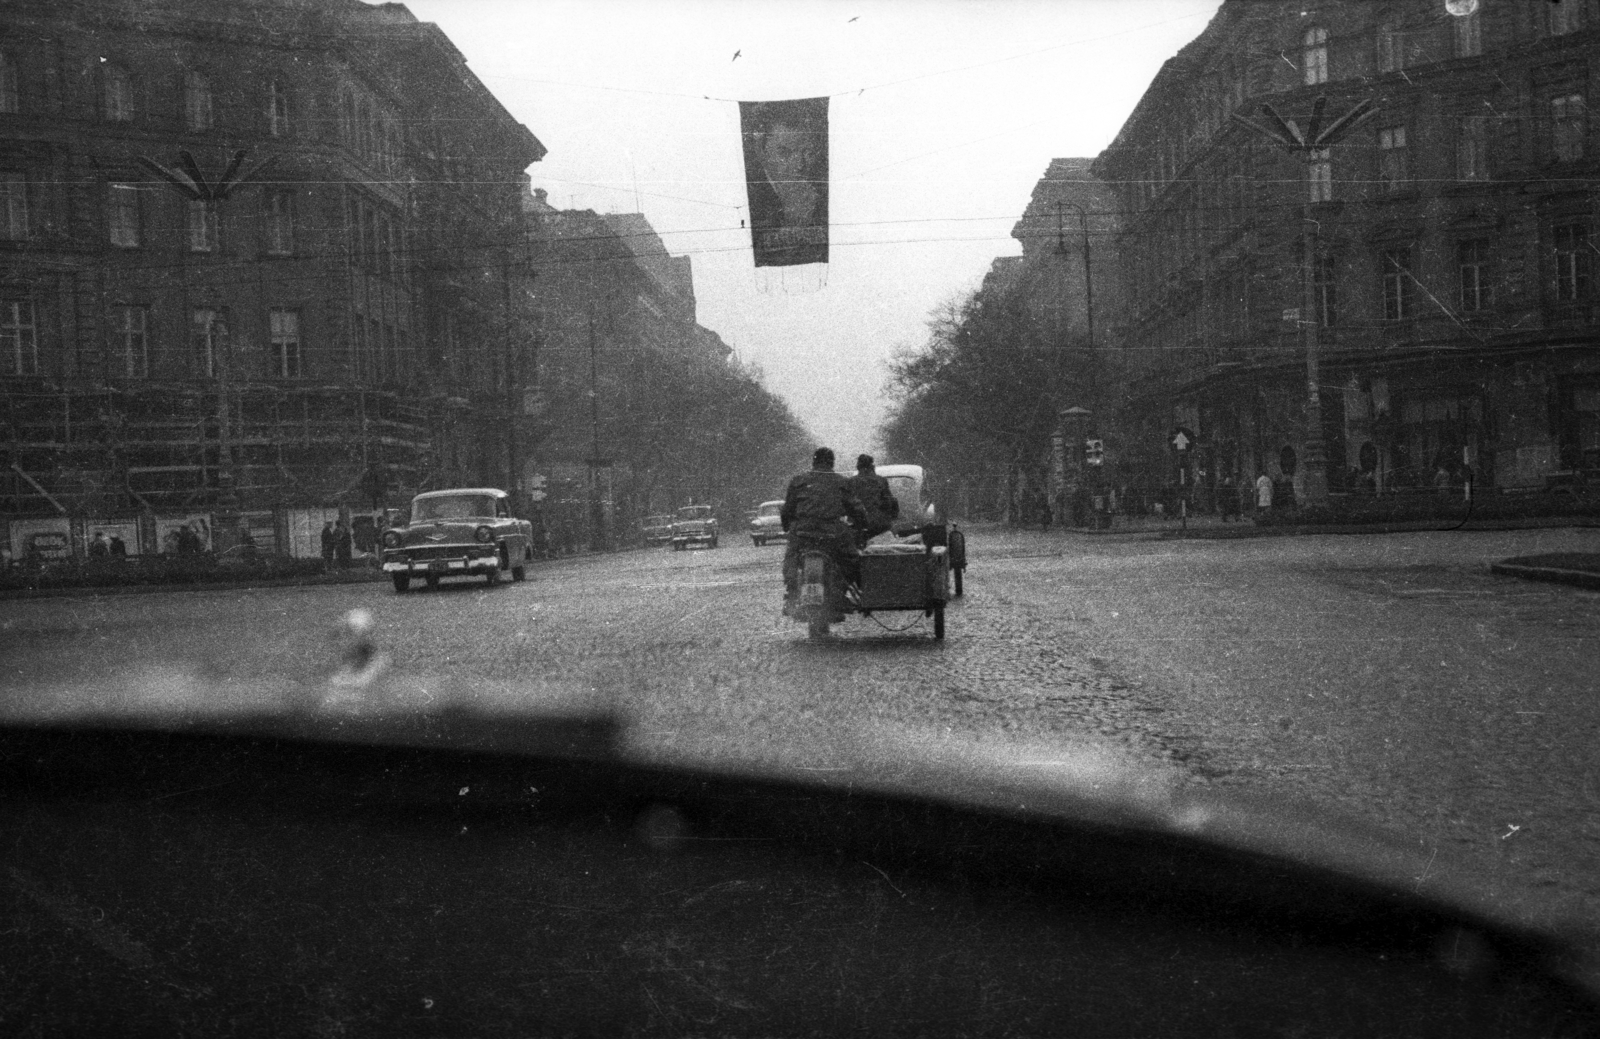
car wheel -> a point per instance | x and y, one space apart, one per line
519 573
757 542
433 582
713 542
401 582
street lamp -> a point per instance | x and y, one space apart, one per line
190 182
1316 137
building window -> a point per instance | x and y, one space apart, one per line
1398 287
1391 48
197 101
132 324
280 223
1315 57
9 99
1325 291
118 97
277 109
1566 16
13 206
123 215
19 340
1320 176
208 331
1469 37
1472 148
1393 166
1572 262
286 344
202 226
1568 127
1472 263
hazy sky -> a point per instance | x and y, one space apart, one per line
944 115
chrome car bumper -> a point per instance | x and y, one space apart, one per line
441 566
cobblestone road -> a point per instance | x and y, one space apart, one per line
1390 676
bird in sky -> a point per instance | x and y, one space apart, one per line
856 18
737 53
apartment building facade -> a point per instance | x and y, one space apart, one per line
1453 248
345 324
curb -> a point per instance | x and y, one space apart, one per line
13 594
1579 578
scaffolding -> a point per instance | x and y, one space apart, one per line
171 447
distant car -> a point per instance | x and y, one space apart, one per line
695 525
765 525
657 529
467 532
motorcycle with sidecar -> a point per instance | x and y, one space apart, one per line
910 572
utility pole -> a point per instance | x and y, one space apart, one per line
1307 144
513 405
1076 423
1088 289
597 508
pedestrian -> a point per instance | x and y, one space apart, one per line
342 544
1263 493
1227 498
118 548
328 540
99 548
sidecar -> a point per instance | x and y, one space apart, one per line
900 576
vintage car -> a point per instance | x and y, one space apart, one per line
695 525
657 530
466 532
765 525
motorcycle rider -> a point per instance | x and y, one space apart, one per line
879 502
816 505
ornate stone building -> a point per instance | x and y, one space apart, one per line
346 325
1452 255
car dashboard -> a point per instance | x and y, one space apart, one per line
484 878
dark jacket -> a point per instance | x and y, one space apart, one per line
816 501
879 502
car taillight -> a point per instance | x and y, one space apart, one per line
485 535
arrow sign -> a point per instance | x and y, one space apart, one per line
1181 439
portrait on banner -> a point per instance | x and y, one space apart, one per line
786 171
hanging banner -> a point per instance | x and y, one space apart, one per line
786 172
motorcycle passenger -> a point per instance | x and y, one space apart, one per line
877 500
816 505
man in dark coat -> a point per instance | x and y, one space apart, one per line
328 540
877 500
341 544
816 505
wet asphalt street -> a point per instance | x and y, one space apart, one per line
1391 677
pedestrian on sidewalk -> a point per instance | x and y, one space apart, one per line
1227 498
1263 493
342 544
328 539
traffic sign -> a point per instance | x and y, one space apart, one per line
1181 439
1094 452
